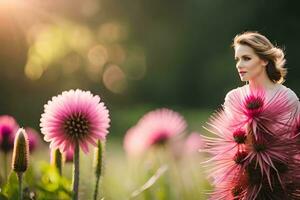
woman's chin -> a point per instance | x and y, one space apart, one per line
244 79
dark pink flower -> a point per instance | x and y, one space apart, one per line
254 105
72 117
155 128
8 129
239 136
233 188
33 138
260 109
227 137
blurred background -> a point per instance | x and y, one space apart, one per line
137 55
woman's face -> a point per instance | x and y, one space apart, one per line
248 64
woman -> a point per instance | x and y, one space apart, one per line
255 154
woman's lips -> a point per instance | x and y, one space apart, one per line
242 72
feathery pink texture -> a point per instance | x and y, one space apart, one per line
155 127
8 130
255 150
74 116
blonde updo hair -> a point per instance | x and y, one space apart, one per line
276 70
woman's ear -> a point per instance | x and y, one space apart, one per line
265 62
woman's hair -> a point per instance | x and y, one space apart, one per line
276 70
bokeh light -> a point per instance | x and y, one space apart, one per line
112 32
114 79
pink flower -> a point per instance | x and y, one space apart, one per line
254 152
228 137
254 105
193 143
233 188
8 129
155 128
229 154
260 109
72 117
33 138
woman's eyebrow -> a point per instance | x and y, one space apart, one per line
242 55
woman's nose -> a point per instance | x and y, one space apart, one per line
238 65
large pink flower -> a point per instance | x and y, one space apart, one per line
75 116
8 129
154 128
270 111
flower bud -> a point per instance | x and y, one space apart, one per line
56 159
20 152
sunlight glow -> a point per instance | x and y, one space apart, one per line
114 79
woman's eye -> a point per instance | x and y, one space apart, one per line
247 58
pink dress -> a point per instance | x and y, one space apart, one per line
255 151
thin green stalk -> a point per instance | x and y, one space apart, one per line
20 178
96 187
76 172
58 161
98 166
5 166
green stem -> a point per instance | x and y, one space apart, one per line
20 177
5 166
58 161
96 187
76 172
98 166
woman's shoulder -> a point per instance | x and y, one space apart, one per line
290 93
236 92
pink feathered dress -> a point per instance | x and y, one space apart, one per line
256 145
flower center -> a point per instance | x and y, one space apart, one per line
76 126
240 156
160 139
6 131
254 103
7 143
236 191
259 147
239 136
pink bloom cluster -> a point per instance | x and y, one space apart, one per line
255 151
8 130
157 127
